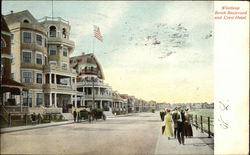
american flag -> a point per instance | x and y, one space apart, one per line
97 33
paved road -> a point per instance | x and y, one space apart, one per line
137 134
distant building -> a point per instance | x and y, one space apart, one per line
117 102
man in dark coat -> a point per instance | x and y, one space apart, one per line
75 114
174 117
180 118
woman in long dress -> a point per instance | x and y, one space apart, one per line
188 132
168 124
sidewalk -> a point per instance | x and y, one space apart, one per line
29 127
199 144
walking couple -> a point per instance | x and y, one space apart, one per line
182 125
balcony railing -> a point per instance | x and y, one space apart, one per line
58 39
58 68
98 97
96 84
46 18
59 86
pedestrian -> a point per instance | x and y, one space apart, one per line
162 114
33 118
39 118
74 114
188 132
168 124
174 115
180 125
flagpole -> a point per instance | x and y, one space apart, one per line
93 42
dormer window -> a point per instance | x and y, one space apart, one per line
52 31
26 21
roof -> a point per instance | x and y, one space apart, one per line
4 26
19 17
82 60
11 83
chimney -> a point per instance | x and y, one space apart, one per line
83 53
11 11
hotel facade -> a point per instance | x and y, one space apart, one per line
52 81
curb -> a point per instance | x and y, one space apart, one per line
34 127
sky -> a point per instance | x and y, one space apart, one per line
161 50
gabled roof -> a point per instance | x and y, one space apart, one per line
83 60
19 17
4 26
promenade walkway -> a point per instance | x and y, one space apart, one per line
199 144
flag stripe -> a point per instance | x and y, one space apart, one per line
97 33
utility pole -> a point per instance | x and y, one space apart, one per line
93 93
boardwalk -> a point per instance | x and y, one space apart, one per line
136 134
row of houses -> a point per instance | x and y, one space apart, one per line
203 105
38 74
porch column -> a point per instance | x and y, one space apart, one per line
75 101
55 100
50 99
99 91
101 104
21 100
71 99
55 79
49 78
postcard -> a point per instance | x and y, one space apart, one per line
124 77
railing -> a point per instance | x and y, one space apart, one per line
16 109
98 97
4 113
46 18
205 124
59 68
60 86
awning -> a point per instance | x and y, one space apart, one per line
12 90
9 85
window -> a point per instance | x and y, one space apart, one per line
65 52
39 58
39 39
3 43
52 62
27 37
2 68
39 78
26 56
52 50
27 98
12 38
64 65
26 21
52 31
27 77
39 99
45 43
46 60
12 76
12 59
